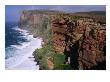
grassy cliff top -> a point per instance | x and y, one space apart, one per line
98 16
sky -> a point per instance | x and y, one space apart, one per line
12 12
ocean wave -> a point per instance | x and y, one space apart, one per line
20 56
22 46
22 31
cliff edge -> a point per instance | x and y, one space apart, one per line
71 41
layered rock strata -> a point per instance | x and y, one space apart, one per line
81 39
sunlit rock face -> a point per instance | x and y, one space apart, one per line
81 39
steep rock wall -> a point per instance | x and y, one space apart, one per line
37 23
81 40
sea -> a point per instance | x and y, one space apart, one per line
19 47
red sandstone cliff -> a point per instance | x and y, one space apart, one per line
81 39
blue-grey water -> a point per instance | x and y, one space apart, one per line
19 46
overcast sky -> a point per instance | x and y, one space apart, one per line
12 12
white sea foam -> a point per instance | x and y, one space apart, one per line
23 58
22 46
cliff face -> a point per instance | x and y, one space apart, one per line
82 40
36 22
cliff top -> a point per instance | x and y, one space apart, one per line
98 16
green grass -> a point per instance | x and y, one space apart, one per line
48 51
43 53
58 60
65 67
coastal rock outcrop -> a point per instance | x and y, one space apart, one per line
81 39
